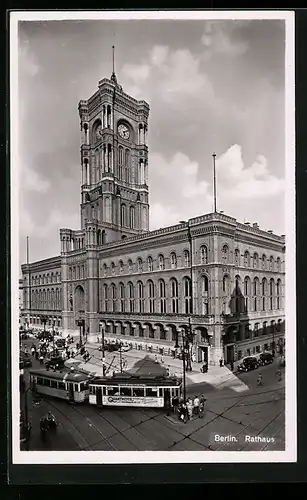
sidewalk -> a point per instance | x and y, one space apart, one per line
218 377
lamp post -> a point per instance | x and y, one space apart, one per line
80 324
189 365
102 351
184 340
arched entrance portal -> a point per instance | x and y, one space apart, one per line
79 300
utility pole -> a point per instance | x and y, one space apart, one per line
102 351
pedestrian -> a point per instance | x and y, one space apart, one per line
162 360
37 354
196 405
189 406
168 371
279 375
221 362
193 358
202 401
41 359
156 358
175 404
259 380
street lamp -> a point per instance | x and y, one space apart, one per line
80 324
102 351
183 351
189 365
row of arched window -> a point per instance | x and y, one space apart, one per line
124 162
148 265
76 272
46 279
161 297
251 260
46 299
257 295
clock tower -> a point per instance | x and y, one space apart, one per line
114 161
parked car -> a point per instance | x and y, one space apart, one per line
26 360
249 363
266 358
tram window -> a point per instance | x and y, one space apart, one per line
76 389
113 391
138 392
125 391
160 392
61 385
92 389
40 381
46 382
53 384
104 390
82 386
152 392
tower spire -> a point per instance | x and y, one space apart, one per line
113 77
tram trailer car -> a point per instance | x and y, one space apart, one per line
135 391
64 384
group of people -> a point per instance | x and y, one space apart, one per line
191 408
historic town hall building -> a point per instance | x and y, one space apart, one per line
211 280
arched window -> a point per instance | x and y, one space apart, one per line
130 266
140 288
105 297
112 268
120 162
127 166
272 293
162 296
226 285
186 258
122 297
255 261
121 266
70 273
174 295
105 270
271 263
264 292
132 217
203 254
161 262
237 257
246 259
151 296
204 294
278 264
278 293
225 254
131 296
123 215
150 264
140 265
187 294
247 292
263 261
256 293
173 260
113 291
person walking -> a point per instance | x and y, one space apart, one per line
156 358
259 380
279 375
190 408
196 405
221 362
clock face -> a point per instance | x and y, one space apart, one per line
123 131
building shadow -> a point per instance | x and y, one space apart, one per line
147 366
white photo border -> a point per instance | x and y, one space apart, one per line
157 457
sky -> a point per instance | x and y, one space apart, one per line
212 86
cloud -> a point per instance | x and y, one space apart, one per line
167 75
241 182
223 38
177 181
33 181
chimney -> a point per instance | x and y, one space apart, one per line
270 231
255 225
247 223
221 211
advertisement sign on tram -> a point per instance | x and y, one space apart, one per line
131 401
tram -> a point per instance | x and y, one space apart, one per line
124 389
65 384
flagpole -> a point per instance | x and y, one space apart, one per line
214 182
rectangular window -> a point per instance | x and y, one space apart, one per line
257 349
61 385
151 392
138 392
53 384
125 391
